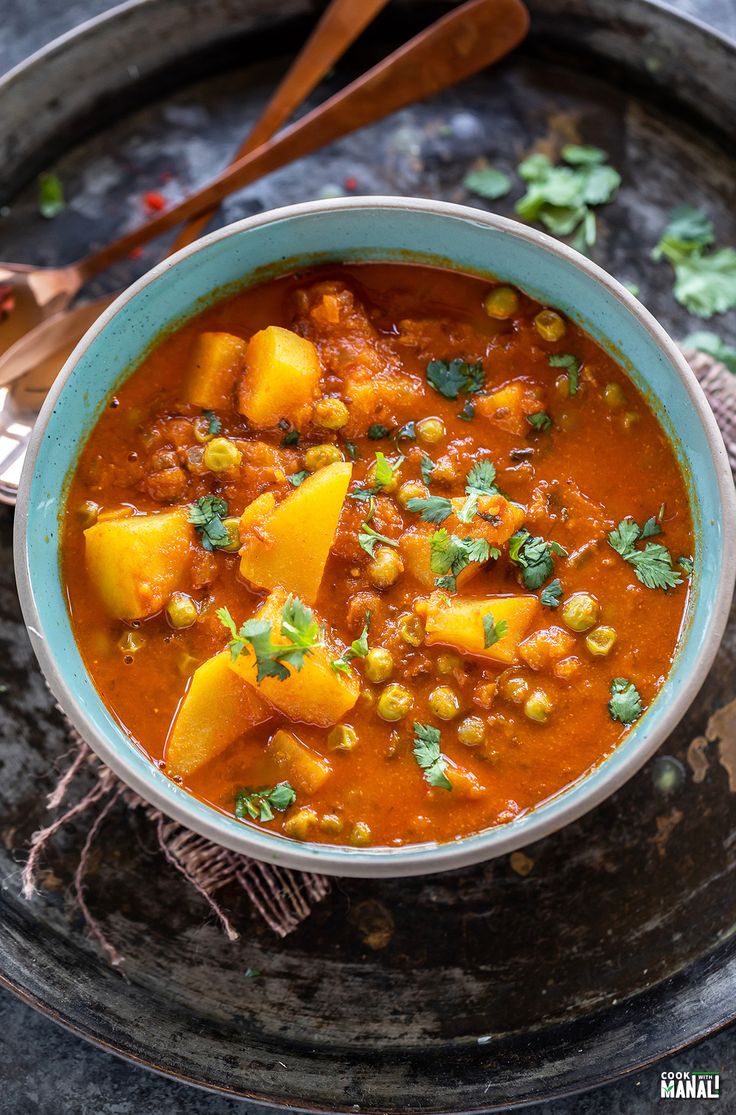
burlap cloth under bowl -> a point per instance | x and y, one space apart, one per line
283 898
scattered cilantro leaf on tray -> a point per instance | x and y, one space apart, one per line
487 182
50 196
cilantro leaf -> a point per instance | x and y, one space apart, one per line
297 478
207 514
383 473
560 197
449 555
376 432
429 757
457 376
260 804
481 480
705 283
433 509
357 649
487 182
290 438
686 565
653 564
625 703
534 557
468 412
552 594
714 346
298 627
215 425
688 230
493 631
368 538
50 196
540 421
407 432
427 467
352 450
571 364
576 155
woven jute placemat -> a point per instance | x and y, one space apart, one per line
89 790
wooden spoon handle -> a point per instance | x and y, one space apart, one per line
460 44
340 25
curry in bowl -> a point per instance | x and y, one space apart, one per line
377 555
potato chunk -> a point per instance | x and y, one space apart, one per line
289 545
297 763
459 623
544 648
216 363
137 562
217 708
496 521
509 406
315 694
282 372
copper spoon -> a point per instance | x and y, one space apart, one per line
464 41
40 326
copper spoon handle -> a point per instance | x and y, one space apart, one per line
460 44
340 25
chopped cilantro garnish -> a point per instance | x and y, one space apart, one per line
352 450
357 649
383 474
686 565
433 509
368 537
705 282
625 703
714 346
429 757
296 478
260 804
298 626
653 564
207 514
427 467
481 480
455 377
290 438
450 555
493 631
215 425
487 182
539 421
50 196
571 364
468 412
376 432
534 557
552 594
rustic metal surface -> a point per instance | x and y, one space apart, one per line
463 991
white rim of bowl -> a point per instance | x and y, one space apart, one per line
417 859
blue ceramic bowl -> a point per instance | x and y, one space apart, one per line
401 229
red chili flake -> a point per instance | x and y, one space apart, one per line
154 201
351 183
135 253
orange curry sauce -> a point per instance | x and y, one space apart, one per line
376 327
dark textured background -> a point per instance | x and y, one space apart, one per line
45 1070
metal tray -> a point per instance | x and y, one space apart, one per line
469 991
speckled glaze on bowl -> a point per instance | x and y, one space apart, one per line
408 230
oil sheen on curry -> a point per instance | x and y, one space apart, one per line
377 555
